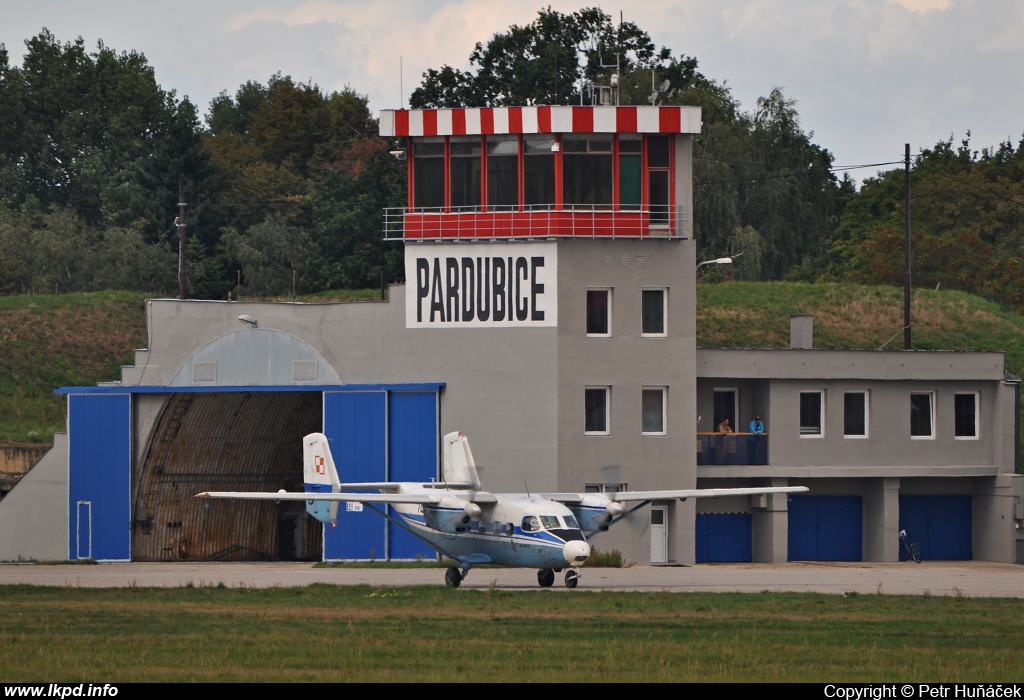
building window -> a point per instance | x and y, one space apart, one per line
653 411
597 404
630 171
605 488
922 417
812 413
465 171
654 310
965 412
538 171
659 161
599 312
855 414
502 171
587 169
428 173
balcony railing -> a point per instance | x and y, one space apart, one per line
535 221
732 448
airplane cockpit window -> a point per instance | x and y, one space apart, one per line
571 522
531 523
550 522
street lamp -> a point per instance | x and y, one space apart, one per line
718 261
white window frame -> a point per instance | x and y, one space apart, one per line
821 427
607 410
611 298
867 415
931 410
977 415
663 390
664 312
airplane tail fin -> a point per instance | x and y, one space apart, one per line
320 476
458 466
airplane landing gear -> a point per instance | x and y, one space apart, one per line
545 578
452 577
572 577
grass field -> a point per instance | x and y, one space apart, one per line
358 633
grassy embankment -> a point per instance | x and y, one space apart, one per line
80 339
435 634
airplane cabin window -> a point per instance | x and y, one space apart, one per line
509 529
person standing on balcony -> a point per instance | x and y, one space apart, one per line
724 426
755 452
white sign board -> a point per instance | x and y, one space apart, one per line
481 285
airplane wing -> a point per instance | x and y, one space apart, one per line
625 496
424 498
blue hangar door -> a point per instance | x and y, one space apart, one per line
99 477
379 436
941 525
722 537
825 528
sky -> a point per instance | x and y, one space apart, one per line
867 75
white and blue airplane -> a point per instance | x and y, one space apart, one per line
546 531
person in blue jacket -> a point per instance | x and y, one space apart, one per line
755 449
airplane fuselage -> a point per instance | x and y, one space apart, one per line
515 530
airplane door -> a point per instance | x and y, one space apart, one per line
84 530
659 535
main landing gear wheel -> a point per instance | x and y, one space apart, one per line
572 578
452 577
545 578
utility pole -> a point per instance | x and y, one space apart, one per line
180 222
906 267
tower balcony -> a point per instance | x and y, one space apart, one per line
535 221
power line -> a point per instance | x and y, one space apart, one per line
809 171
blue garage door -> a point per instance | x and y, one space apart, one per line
355 424
722 537
825 528
413 455
379 436
941 525
99 476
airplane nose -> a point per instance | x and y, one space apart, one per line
576 552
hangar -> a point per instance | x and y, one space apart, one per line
549 314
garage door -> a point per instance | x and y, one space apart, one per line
825 528
379 436
722 537
941 525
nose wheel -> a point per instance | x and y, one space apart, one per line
572 578
545 578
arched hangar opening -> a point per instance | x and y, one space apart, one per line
226 441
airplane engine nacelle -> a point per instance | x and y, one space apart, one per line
596 512
451 514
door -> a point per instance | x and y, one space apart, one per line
84 539
659 535
725 408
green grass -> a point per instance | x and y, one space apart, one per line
359 633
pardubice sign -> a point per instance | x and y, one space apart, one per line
492 285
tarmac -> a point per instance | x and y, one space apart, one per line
974 579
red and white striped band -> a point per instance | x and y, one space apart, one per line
539 120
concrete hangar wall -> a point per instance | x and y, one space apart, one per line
215 404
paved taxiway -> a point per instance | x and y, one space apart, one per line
973 579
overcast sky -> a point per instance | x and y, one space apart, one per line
867 75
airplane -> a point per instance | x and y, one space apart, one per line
455 517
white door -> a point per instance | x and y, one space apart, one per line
84 539
659 535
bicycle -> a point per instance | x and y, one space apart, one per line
908 549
